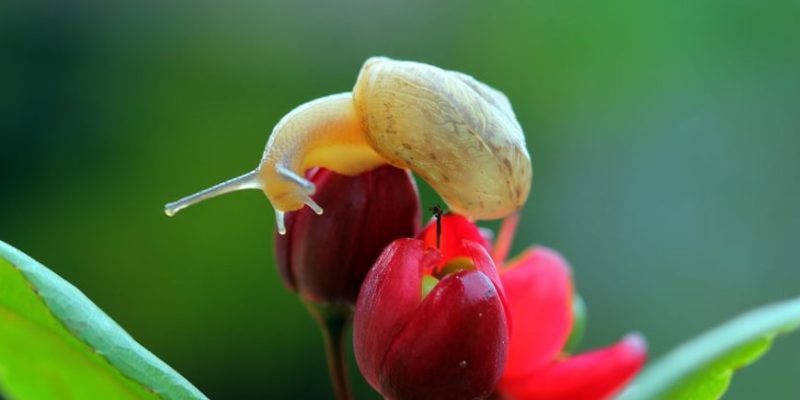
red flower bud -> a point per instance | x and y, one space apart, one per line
325 257
539 293
448 344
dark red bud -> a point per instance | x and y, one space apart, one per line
451 344
325 257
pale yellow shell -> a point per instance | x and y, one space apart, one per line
458 134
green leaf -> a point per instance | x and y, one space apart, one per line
702 368
56 344
579 324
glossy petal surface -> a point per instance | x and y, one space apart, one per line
388 298
483 263
539 293
454 345
594 375
325 257
450 344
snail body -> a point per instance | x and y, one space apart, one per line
458 134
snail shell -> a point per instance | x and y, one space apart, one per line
458 134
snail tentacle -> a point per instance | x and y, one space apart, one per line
279 221
290 175
250 180
307 200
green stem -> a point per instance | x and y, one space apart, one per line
333 323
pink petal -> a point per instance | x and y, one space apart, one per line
596 375
538 290
455 230
505 238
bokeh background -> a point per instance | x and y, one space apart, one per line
665 138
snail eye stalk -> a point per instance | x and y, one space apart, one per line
250 180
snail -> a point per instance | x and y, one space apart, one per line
456 133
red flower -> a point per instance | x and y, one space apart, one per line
538 287
449 343
325 257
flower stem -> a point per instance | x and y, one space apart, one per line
332 322
505 238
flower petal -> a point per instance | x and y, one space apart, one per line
538 290
484 263
455 230
505 237
590 376
454 347
389 296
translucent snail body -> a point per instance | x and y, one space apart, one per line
458 134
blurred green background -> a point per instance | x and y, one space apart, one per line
665 138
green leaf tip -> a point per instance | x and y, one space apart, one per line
702 368
55 342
